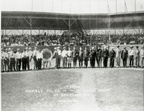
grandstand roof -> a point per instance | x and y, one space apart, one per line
63 21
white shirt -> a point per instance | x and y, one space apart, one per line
30 53
2 55
6 55
12 55
35 52
69 53
64 53
39 55
118 52
137 53
142 53
59 52
131 52
18 55
25 54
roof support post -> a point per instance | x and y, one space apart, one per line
31 27
69 24
109 25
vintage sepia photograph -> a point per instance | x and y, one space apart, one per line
72 55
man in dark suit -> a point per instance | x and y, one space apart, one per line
112 54
75 56
99 56
137 56
124 56
105 56
92 57
86 57
80 58
57 56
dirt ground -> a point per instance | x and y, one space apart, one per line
102 89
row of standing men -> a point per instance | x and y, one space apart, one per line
102 56
16 61
29 60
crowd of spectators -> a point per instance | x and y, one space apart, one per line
50 40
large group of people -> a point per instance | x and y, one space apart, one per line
16 61
101 57
74 39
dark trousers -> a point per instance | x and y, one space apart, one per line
131 61
80 63
58 62
92 62
74 62
99 60
35 62
86 62
137 61
18 64
105 61
111 62
39 63
24 63
12 64
27 63
124 62
2 65
6 64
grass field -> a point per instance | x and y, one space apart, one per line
74 90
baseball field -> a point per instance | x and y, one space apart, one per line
102 89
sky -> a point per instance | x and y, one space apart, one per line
73 6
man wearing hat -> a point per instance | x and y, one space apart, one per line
80 57
12 60
54 55
64 57
57 56
8 52
24 58
92 57
34 57
105 56
6 60
142 56
69 57
137 56
99 56
39 57
75 55
118 56
131 56
86 56
124 56
30 55
2 60
18 57
112 56
27 58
